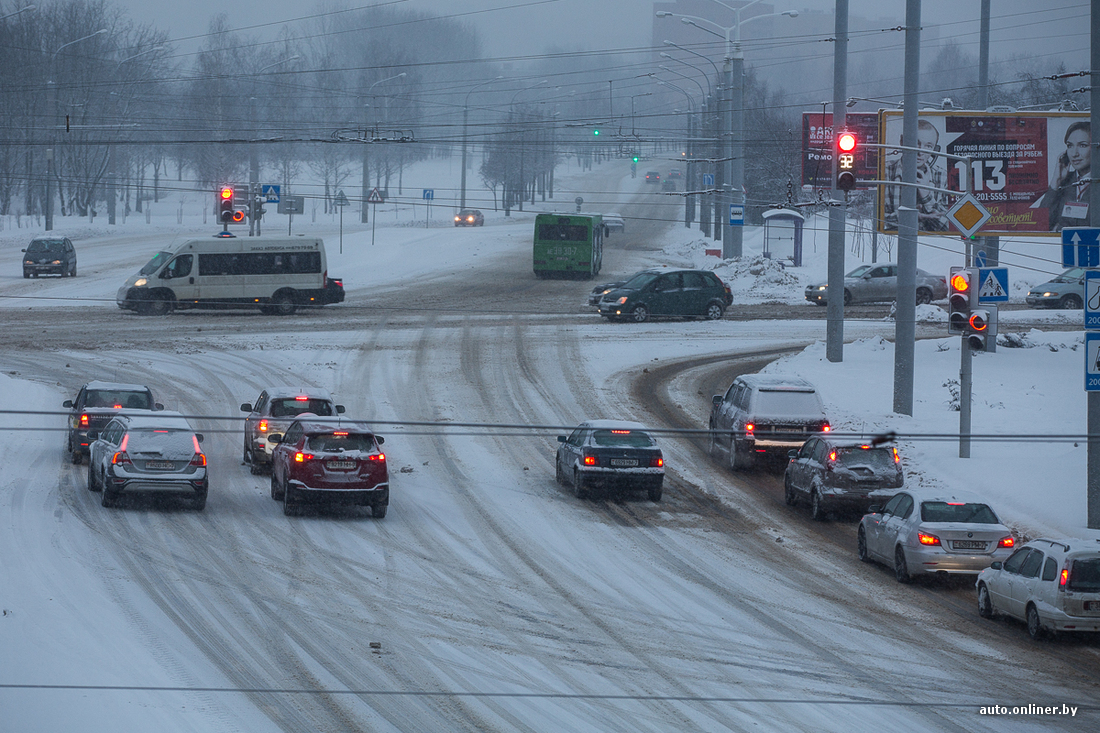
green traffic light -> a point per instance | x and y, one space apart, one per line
595 132
635 158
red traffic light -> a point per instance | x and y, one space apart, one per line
979 321
227 193
846 141
238 215
960 282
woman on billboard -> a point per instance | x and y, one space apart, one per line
1067 201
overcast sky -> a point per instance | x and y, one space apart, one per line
523 27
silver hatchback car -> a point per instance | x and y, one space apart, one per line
879 284
275 409
923 532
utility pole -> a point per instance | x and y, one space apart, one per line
905 318
834 330
1093 471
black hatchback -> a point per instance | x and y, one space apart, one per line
676 293
49 256
842 474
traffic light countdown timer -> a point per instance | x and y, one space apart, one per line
846 160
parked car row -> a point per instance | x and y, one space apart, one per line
315 456
1051 585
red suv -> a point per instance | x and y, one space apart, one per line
329 462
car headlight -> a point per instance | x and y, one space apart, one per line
140 282
56 262
1050 295
28 262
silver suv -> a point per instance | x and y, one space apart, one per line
1053 585
762 414
275 409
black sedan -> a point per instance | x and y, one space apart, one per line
841 474
606 454
469 218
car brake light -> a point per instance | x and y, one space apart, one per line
116 407
832 456
591 461
825 428
198 461
656 462
300 457
897 458
1009 541
121 459
620 432
84 420
262 427
955 503
341 432
1063 579
301 398
377 457
928 539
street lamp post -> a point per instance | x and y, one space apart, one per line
734 147
465 136
366 144
51 89
691 116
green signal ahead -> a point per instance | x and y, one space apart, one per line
595 132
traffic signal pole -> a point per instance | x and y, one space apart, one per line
1093 398
834 329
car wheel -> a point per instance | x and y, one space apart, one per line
559 476
34 275
817 508
901 569
72 272
290 506
715 311
1070 302
861 545
579 487
847 296
199 503
255 468
276 491
1034 625
283 304
924 296
92 486
26 275
640 314
789 495
985 603
734 462
378 511
76 457
110 498
712 443
654 492
157 306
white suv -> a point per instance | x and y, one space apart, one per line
1053 585
275 409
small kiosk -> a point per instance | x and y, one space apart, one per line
783 236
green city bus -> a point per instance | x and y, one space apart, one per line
568 244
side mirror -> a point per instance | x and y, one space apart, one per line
22 250
996 565
874 509
716 400
93 435
246 407
562 438
199 437
275 438
67 403
380 439
792 454
339 409
158 406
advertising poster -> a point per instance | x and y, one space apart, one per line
817 147
1029 169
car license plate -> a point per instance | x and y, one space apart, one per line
160 465
624 462
341 464
1092 606
968 545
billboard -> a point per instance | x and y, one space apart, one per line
817 147
1029 169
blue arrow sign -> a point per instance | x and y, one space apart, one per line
708 179
429 194
1081 247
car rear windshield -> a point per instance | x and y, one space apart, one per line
1084 576
941 511
53 245
341 443
625 438
162 443
879 459
292 407
118 398
793 403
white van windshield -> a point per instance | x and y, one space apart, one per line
155 264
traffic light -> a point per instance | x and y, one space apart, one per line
596 131
959 287
846 160
635 160
225 205
979 324
238 216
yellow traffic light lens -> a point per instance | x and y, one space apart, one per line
227 193
960 283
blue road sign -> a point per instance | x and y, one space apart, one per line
708 179
429 194
270 192
992 284
1081 247
737 215
1092 299
979 259
1092 362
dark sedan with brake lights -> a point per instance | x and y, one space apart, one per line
608 454
836 474
332 462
